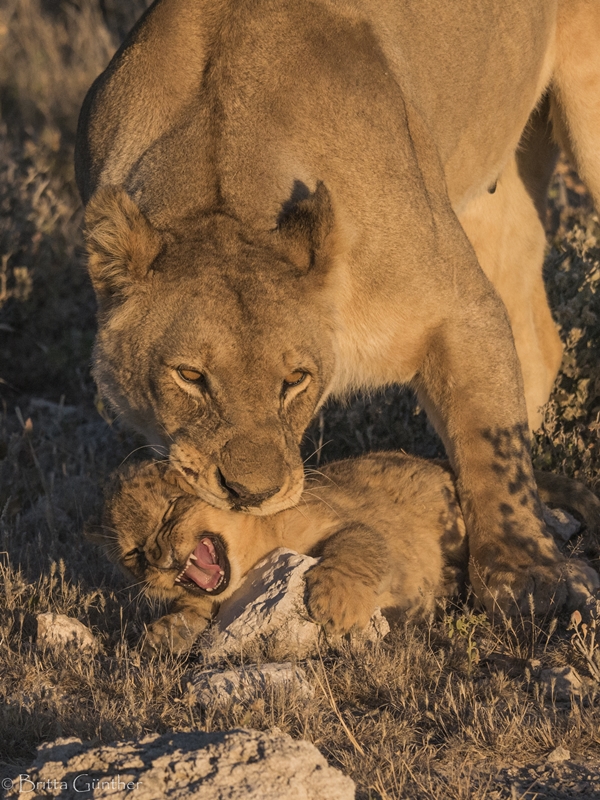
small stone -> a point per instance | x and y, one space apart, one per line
559 755
563 525
59 631
218 687
561 683
269 607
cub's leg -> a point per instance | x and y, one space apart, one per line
576 88
177 631
507 234
342 589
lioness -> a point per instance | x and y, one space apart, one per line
388 527
278 201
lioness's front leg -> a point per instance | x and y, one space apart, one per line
471 385
177 631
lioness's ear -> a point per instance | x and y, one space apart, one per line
306 232
121 242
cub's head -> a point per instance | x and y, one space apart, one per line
215 342
172 542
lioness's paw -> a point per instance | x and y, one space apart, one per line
172 633
338 602
541 587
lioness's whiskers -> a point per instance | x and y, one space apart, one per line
320 499
317 450
142 447
318 472
299 509
166 432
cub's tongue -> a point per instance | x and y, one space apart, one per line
205 571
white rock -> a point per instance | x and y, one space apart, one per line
269 606
58 630
562 524
559 755
218 687
561 683
236 765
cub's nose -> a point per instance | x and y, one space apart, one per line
242 495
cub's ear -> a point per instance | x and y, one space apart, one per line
307 231
121 242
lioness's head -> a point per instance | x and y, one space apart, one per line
171 541
216 342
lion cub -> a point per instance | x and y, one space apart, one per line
387 526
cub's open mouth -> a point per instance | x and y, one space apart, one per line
207 567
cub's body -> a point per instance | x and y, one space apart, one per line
387 526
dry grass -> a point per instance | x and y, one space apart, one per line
448 709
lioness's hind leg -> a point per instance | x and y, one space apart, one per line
508 237
576 88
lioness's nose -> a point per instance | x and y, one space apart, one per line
242 495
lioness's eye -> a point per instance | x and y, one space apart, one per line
190 375
132 553
294 379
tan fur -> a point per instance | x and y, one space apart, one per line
509 239
306 168
576 84
387 526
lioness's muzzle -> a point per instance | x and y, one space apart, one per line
243 496
251 472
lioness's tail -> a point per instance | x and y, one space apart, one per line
558 491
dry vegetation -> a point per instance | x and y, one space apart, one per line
449 709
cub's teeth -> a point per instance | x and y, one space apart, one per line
177 579
221 572
208 590
192 557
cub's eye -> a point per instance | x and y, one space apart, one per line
294 379
190 375
132 553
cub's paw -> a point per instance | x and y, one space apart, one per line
338 601
172 633
543 587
